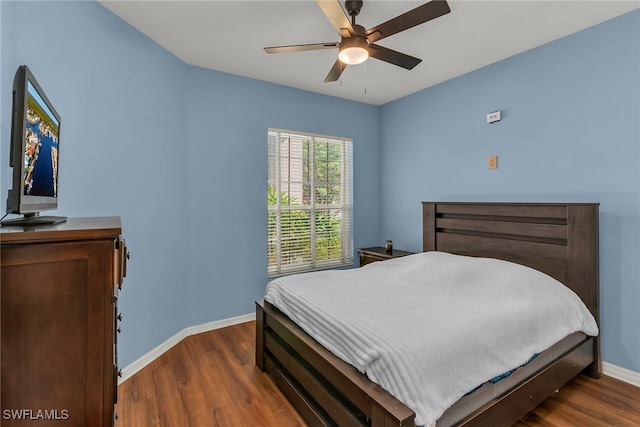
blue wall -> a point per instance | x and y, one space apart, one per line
179 152
227 121
570 131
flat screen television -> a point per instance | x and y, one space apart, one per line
34 157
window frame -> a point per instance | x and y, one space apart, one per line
345 207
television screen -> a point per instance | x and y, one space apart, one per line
41 148
35 148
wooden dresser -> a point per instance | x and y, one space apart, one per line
58 322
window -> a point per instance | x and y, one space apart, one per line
309 202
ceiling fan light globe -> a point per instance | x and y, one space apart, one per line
353 55
353 50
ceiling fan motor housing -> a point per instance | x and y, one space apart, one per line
355 41
360 31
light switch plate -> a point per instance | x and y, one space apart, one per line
492 162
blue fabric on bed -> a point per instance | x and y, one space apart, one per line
505 375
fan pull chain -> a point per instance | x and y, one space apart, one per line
365 77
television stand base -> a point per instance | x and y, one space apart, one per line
34 220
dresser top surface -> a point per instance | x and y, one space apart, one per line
71 229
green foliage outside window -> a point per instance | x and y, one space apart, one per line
295 232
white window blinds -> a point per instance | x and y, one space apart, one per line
309 202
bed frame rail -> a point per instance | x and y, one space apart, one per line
324 388
538 384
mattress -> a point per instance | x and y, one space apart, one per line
433 326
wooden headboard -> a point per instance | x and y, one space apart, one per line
559 239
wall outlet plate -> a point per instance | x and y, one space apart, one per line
493 117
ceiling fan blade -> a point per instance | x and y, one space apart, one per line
393 57
301 47
335 14
419 15
335 72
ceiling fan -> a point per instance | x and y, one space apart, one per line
358 43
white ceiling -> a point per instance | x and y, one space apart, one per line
229 36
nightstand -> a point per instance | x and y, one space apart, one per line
378 253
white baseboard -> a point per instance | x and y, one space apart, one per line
143 361
622 374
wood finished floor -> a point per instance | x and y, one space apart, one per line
210 379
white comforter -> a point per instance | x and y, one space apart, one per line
432 326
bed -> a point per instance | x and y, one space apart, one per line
558 239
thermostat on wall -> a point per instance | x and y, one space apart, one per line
493 117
